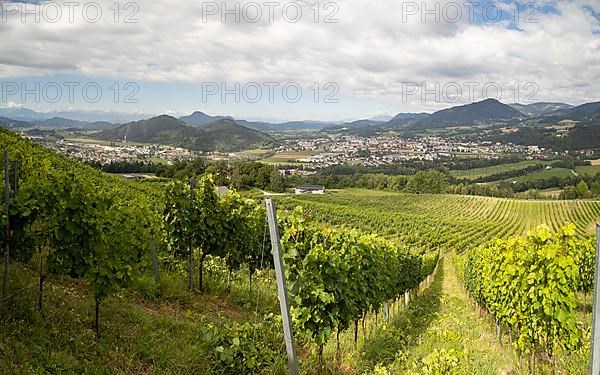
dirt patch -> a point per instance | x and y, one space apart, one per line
290 156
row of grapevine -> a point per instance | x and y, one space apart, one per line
76 220
450 221
199 223
337 276
87 224
529 286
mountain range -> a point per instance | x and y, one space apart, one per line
489 111
200 131
584 112
28 115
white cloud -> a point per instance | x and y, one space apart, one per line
369 53
11 105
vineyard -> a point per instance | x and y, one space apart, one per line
528 266
529 286
450 221
110 236
107 275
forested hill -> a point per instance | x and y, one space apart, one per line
223 135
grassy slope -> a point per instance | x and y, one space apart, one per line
454 338
439 332
161 335
138 334
544 175
488 171
591 170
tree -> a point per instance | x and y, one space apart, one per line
595 188
582 190
428 182
277 184
570 192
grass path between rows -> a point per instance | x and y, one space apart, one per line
451 337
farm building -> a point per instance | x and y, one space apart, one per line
310 189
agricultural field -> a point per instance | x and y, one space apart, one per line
475 173
590 170
452 333
451 221
107 275
544 175
289 157
253 154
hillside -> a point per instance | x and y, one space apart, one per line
583 136
10 123
227 135
584 112
223 135
404 119
488 111
539 109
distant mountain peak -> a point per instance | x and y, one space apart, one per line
488 110
488 100
199 118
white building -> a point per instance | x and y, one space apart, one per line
310 189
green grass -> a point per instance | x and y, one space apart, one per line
591 170
158 160
274 161
81 139
475 173
290 157
362 193
441 331
444 328
443 334
544 175
145 329
256 151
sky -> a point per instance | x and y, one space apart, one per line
296 60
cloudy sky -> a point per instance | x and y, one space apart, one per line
339 60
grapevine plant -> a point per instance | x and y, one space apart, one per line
529 286
85 223
336 276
